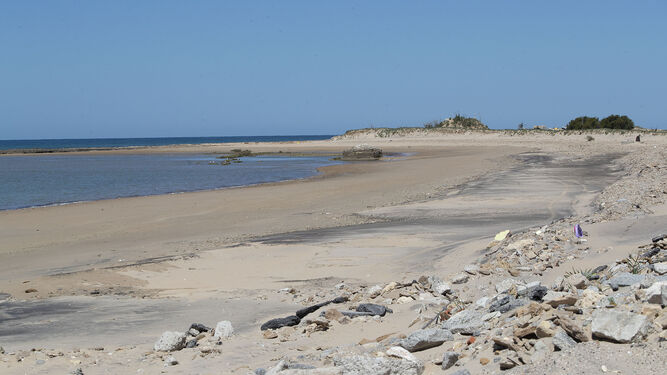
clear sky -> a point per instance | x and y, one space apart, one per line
79 69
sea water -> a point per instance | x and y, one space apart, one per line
48 179
50 144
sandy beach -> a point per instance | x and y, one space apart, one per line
115 274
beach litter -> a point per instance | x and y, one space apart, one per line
501 235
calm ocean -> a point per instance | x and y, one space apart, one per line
47 179
131 142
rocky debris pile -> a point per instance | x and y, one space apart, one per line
644 186
171 341
519 323
362 152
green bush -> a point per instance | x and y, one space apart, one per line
611 122
583 122
617 122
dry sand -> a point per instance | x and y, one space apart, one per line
160 263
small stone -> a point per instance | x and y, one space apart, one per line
170 361
544 329
404 299
471 269
374 291
389 287
562 341
223 329
484 361
460 278
333 314
170 341
425 339
191 344
657 293
289 321
208 349
481 303
604 368
508 363
461 372
449 359
505 286
556 299
506 303
31 290
439 286
578 281
373 308
660 268
533 292
270 334
525 331
398 352
199 328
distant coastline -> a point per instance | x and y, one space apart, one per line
40 146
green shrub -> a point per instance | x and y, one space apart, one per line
611 122
583 123
617 122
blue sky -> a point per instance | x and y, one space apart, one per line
76 69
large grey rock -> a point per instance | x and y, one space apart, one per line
657 293
619 326
449 359
362 152
562 340
624 279
170 341
425 338
465 322
223 329
367 364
